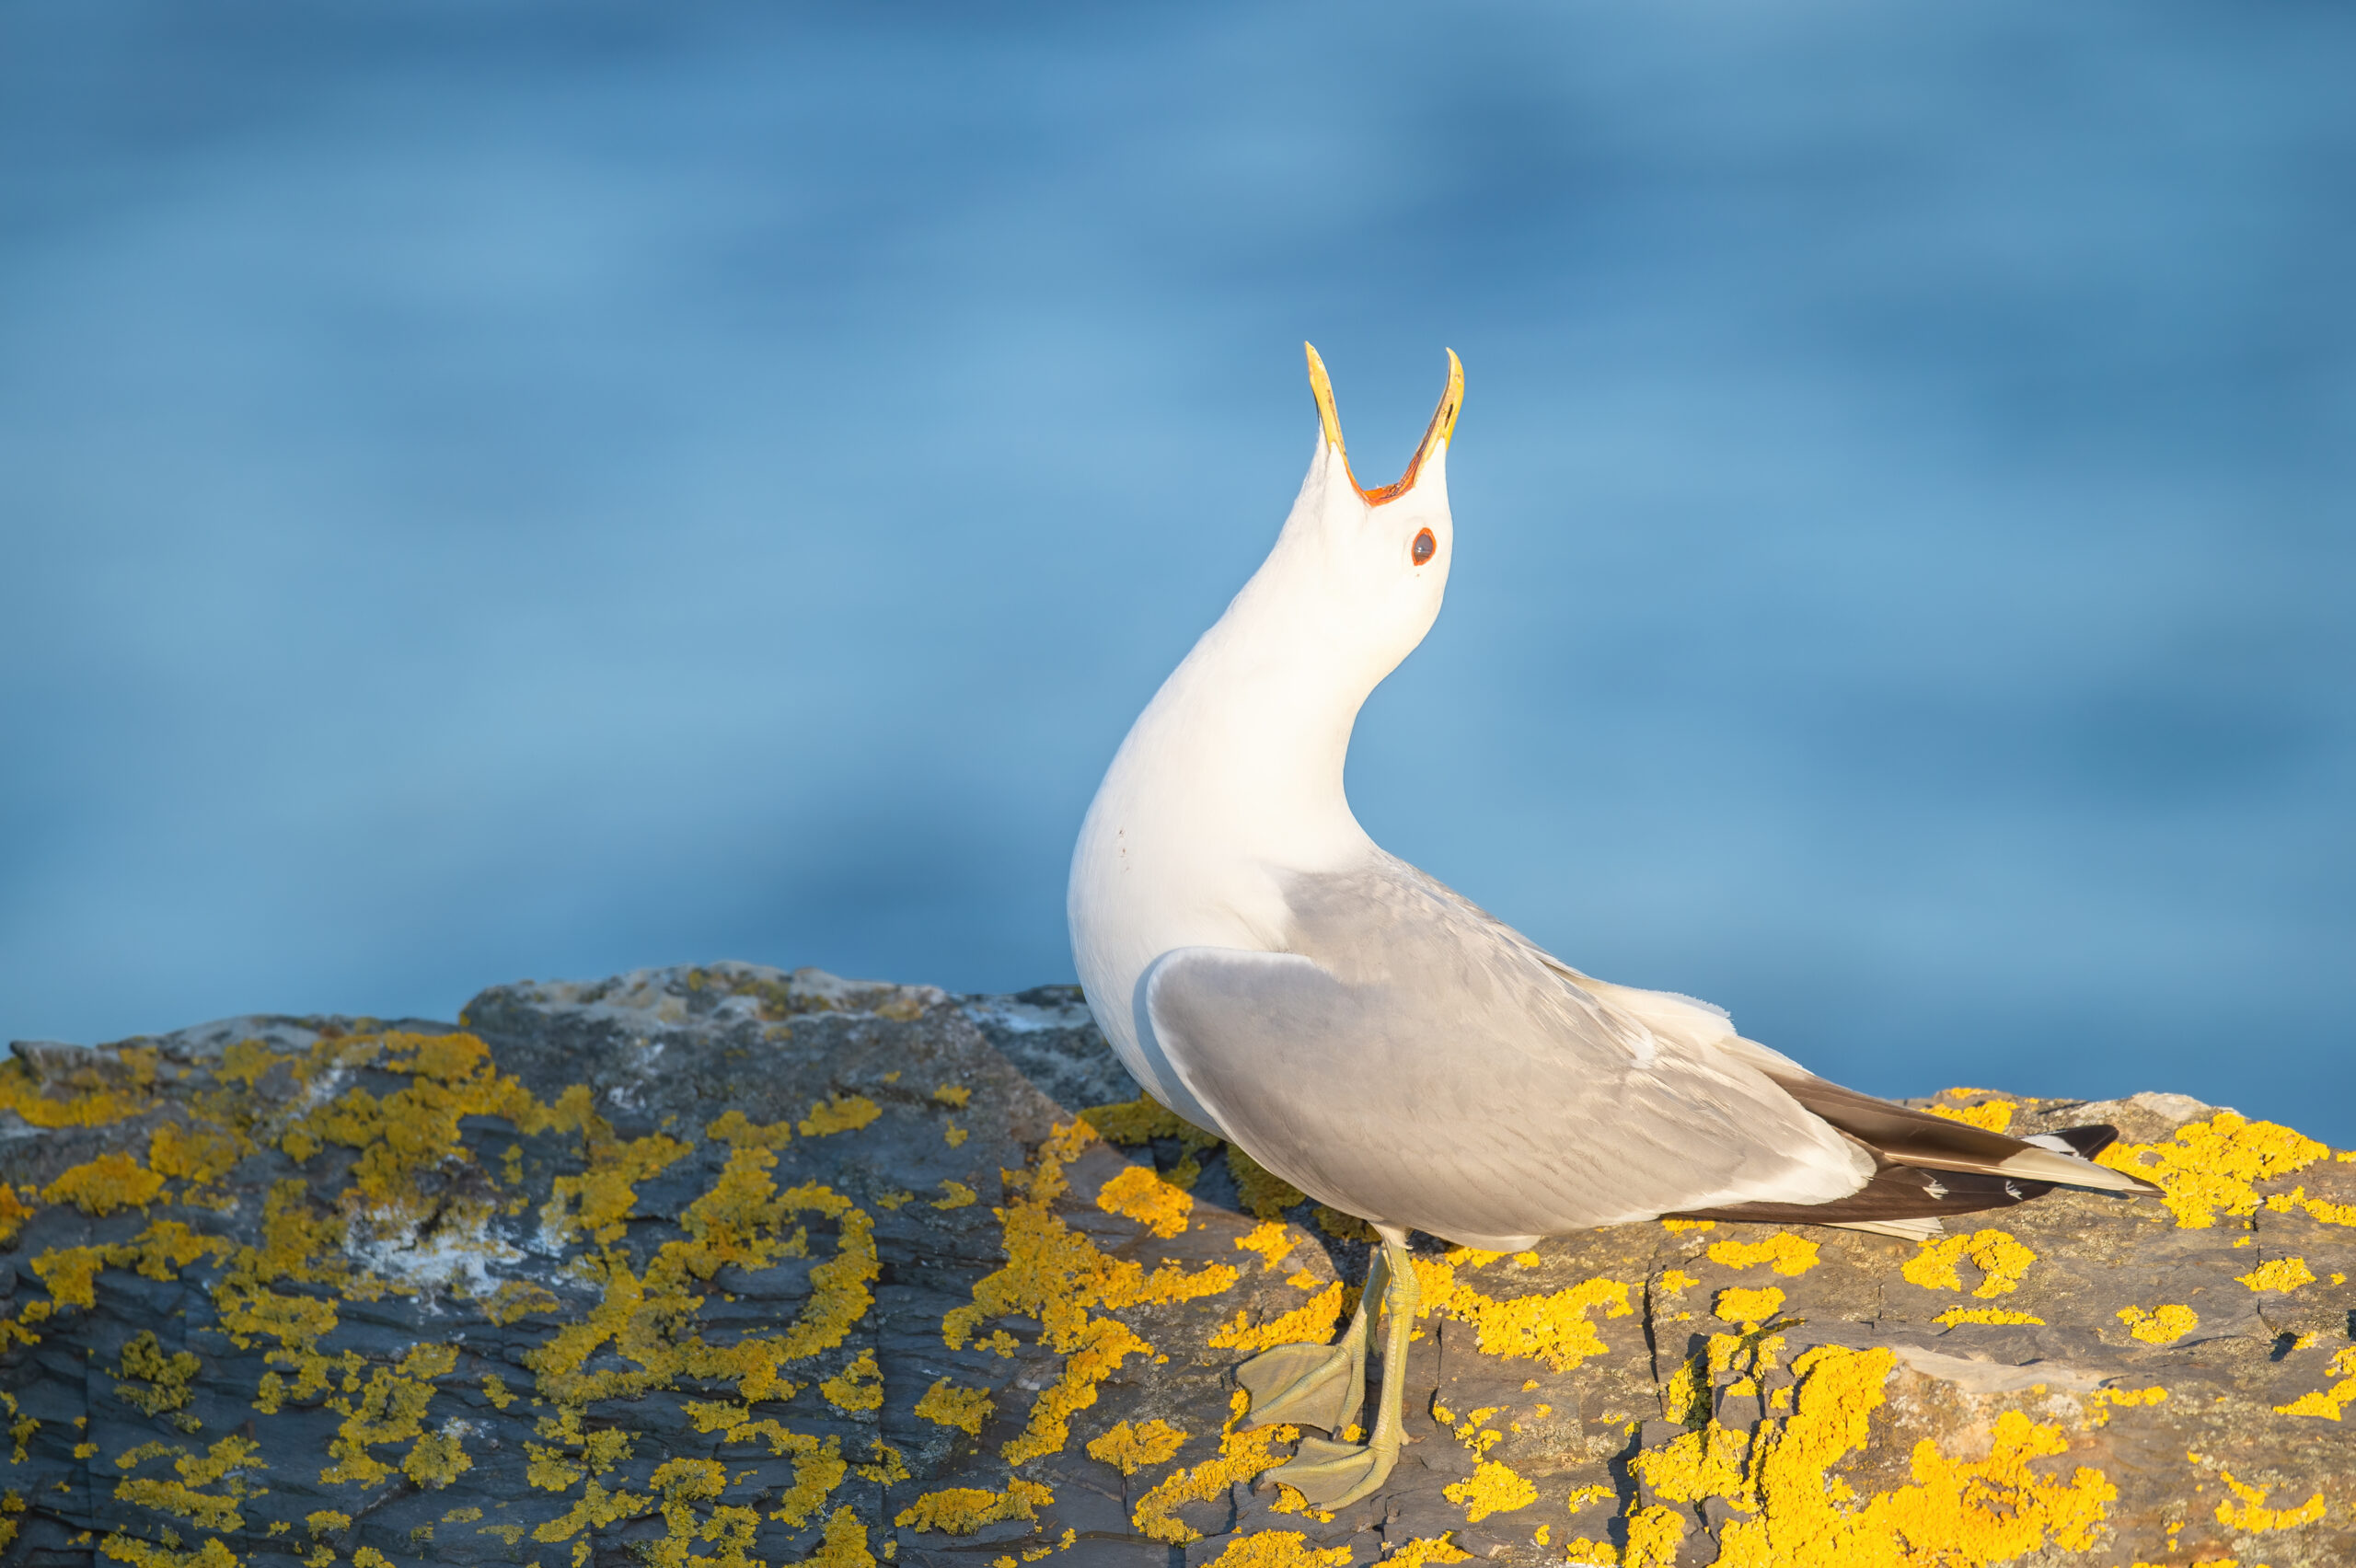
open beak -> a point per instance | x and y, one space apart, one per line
1441 429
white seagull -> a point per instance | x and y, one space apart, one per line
1268 972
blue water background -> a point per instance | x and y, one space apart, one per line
494 490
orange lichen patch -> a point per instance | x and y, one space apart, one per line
1130 1448
197 1154
843 1113
1101 1348
1675 1226
1961 1514
957 1195
1310 1323
858 1386
1139 1194
1278 1549
1551 1328
961 1510
102 1185
114 1085
1999 1258
1748 1306
2161 1325
1989 1116
1673 1281
1241 1456
1955 1315
2328 1402
948 1405
2279 1274
1427 1549
14 1212
1492 1488
1262 1192
1789 1253
682 1485
1653 1538
2252 1516
2206 1170
736 1128
954 1095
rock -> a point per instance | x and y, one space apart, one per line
728 1266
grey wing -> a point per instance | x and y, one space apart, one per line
1415 1062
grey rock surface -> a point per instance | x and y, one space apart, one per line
730 1265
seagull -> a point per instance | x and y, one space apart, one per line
1266 970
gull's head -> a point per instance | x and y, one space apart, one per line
1364 570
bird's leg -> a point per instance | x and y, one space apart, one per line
1331 1475
1316 1385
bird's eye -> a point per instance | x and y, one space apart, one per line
1425 547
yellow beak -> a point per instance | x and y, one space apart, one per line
1441 429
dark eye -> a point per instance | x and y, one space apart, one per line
1425 547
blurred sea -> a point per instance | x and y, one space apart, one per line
494 489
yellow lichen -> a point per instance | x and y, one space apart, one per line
2279 1274
1960 1513
2328 1402
1059 1277
961 1510
111 1086
1310 1323
1707 1462
1131 1123
1748 1306
390 1408
1278 1549
1789 1253
1955 1315
1653 1537
101 1186
196 1154
952 1095
2252 1513
1674 1226
2161 1325
2207 1167
1272 1239
858 1386
735 1128
1991 1115
1130 1448
2103 1401
227 1464
1551 1328
1241 1456
1262 1192
1999 1258
965 1409
2296 1199
1139 1194
1416 1553
843 1113
1492 1488
957 1195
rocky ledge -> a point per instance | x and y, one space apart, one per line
728 1266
